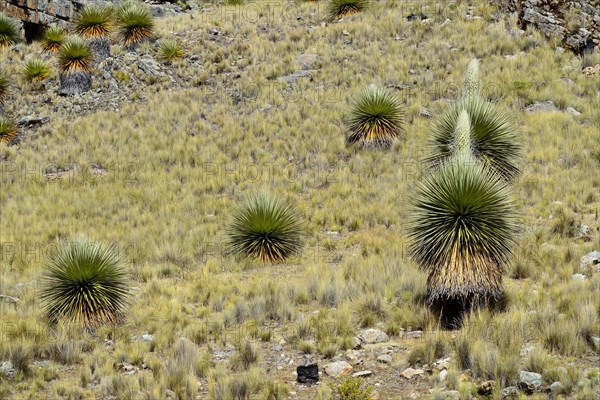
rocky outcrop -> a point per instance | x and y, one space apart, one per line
41 12
575 22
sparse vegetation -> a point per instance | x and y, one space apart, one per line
354 389
155 159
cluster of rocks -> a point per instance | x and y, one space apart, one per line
575 22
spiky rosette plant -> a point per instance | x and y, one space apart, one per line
53 38
493 135
134 23
266 228
8 129
94 23
35 70
85 283
9 31
341 8
376 119
169 50
75 59
463 227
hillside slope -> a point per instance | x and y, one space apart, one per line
155 158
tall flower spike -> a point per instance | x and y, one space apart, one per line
472 85
462 137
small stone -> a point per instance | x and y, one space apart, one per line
596 342
31 120
345 33
414 335
590 259
338 368
556 387
442 364
530 382
295 76
385 358
362 374
350 356
544 106
425 112
573 112
371 336
410 372
306 60
578 277
277 347
147 338
509 393
443 375
9 299
7 369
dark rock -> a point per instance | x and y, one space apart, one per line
308 373
413 16
486 388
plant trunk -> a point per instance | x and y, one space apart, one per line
74 82
101 48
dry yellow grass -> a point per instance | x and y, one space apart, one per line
160 177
